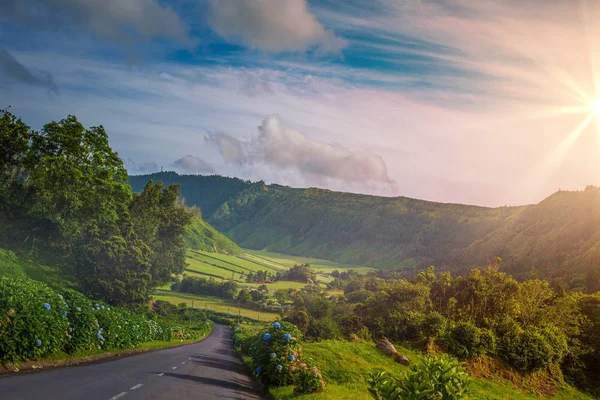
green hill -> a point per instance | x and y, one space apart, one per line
560 236
200 235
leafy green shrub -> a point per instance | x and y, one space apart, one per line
467 340
433 325
323 330
82 329
273 351
31 320
307 378
276 357
436 378
531 348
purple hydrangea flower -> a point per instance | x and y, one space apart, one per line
47 306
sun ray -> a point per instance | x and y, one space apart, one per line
544 169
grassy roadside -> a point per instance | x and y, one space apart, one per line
346 365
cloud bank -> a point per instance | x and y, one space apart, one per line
112 19
193 165
281 147
14 70
272 26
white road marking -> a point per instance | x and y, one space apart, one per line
174 368
183 362
118 396
139 385
161 374
189 358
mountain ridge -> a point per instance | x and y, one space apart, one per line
559 236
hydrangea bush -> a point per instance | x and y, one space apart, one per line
36 321
276 357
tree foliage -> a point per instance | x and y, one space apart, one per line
66 188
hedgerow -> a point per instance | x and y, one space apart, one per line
36 321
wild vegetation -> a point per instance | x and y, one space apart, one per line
557 239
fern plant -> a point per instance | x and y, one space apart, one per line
437 378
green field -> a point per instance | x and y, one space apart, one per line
213 303
318 265
225 267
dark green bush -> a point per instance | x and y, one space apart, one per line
433 325
531 348
323 330
466 340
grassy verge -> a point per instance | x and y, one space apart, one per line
346 365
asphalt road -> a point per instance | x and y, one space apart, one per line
206 370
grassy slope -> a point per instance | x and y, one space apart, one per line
316 263
213 303
345 367
200 235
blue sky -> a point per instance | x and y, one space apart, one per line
453 101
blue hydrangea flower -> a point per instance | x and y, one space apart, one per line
47 306
101 329
119 326
266 336
64 314
291 357
258 370
38 342
272 355
102 306
276 325
279 367
96 305
287 336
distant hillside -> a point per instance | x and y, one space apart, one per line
200 235
206 192
559 236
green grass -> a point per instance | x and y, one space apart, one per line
346 365
317 264
279 285
215 304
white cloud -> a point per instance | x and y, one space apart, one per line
272 26
281 147
192 164
113 19
134 168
